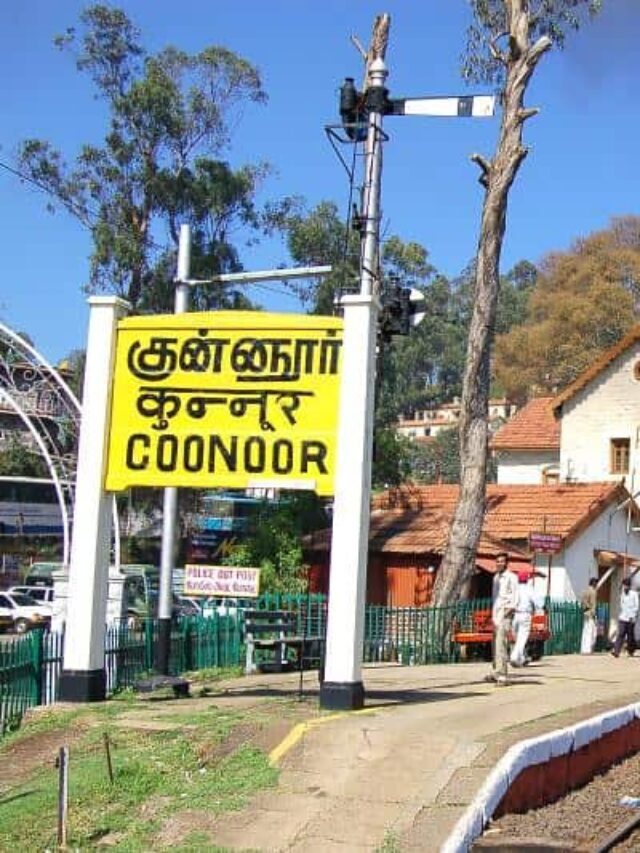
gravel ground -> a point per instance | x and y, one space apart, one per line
585 816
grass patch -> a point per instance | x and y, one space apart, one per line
214 674
156 775
390 843
198 842
43 721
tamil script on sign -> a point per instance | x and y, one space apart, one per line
225 399
222 581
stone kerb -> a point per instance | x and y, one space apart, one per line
540 770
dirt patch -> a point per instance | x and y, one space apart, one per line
263 734
182 824
32 752
139 722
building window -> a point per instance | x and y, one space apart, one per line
619 456
550 476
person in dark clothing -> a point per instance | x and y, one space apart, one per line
627 615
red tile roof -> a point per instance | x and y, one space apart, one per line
605 359
534 427
416 519
514 511
413 531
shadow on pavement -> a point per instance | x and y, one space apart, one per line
373 697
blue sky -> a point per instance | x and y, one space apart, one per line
582 169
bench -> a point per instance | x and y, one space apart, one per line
276 631
180 686
476 632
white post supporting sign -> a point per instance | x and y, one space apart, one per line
83 675
342 687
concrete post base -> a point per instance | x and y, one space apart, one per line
83 685
342 696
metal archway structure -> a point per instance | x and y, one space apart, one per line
50 413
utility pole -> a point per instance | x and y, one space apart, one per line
342 687
170 497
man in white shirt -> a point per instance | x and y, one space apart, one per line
629 604
505 598
525 608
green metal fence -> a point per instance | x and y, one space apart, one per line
565 622
30 665
410 635
196 643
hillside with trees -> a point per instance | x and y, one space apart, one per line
584 301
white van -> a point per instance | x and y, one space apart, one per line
42 594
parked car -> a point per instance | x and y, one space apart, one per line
184 606
221 606
25 612
42 594
41 574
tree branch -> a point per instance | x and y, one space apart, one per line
494 50
541 46
485 168
358 45
526 113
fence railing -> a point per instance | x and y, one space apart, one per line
30 665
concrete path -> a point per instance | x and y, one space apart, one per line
397 775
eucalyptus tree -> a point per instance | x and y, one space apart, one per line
506 42
170 116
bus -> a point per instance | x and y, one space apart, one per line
29 508
223 520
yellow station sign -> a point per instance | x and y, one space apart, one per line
225 399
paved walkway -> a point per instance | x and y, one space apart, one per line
397 775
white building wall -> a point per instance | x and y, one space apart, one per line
608 407
519 466
607 533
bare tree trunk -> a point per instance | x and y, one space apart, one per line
520 60
377 45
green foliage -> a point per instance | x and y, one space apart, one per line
438 461
75 364
583 302
317 238
170 117
552 18
18 460
275 545
391 458
425 368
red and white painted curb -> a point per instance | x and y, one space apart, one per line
542 769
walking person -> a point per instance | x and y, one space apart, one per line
525 608
629 605
505 598
588 601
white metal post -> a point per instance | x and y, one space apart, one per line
170 497
342 687
83 675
